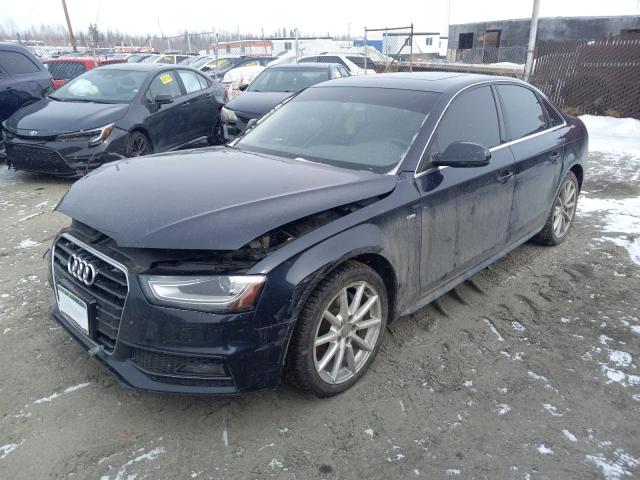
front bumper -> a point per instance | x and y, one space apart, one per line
154 343
64 159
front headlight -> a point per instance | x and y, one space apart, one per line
219 293
228 116
94 136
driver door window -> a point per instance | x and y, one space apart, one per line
164 84
471 117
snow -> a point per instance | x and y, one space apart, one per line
616 135
494 330
66 391
27 243
617 468
544 450
618 141
569 436
8 448
503 408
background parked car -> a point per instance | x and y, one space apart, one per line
230 62
169 58
63 69
353 62
23 80
129 109
269 88
138 57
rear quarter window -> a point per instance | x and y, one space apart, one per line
17 63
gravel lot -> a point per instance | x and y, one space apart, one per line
528 370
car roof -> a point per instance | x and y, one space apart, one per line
14 47
424 81
306 66
145 67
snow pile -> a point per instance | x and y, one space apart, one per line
613 135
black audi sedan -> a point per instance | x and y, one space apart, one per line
287 252
111 112
270 87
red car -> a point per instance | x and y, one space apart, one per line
64 69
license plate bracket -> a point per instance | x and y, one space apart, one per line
77 309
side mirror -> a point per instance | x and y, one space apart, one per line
242 88
163 99
463 155
251 123
205 69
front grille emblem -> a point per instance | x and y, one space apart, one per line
81 269
33 133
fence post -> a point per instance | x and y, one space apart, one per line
411 49
365 50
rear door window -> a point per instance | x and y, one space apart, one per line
190 81
554 117
471 117
164 84
523 112
16 63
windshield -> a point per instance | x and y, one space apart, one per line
359 61
288 79
351 127
200 62
102 86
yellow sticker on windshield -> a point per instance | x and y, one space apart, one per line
166 78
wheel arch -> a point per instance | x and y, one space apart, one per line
578 171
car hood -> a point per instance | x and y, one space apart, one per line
210 199
52 117
257 103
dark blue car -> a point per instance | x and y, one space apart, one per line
354 203
23 80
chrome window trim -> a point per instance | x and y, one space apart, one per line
417 174
102 257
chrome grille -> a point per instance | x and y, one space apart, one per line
109 290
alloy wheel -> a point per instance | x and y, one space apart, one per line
139 146
564 208
347 332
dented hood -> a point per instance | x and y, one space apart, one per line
210 199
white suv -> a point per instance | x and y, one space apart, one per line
354 62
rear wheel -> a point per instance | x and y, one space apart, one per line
138 144
339 331
561 216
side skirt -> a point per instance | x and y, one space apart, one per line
438 292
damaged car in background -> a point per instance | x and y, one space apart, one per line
111 112
272 86
287 252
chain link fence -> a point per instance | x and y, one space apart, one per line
597 77
516 55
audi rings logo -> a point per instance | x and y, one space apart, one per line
81 269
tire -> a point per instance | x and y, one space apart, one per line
138 145
216 136
304 363
564 207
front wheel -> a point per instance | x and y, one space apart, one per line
138 145
561 216
339 331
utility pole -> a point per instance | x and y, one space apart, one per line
533 30
71 35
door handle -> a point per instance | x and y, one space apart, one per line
555 155
505 175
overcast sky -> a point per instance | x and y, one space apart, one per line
320 17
